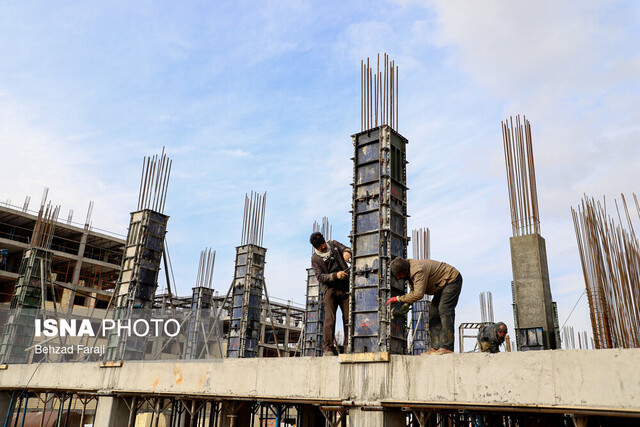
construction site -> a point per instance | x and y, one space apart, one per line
73 299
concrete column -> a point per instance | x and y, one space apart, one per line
76 270
532 292
358 417
111 412
287 320
81 248
67 299
91 300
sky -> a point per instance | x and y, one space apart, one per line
264 96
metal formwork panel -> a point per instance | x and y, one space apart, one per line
142 257
138 280
314 317
419 325
378 232
246 302
25 306
201 308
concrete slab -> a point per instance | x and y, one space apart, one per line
583 379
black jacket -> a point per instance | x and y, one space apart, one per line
488 339
326 271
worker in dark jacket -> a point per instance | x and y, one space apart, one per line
329 262
491 336
442 281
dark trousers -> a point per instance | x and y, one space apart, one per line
442 315
332 299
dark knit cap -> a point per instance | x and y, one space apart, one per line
399 266
501 327
316 239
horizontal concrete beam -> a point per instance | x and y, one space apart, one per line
578 380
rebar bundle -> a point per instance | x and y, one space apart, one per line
42 235
486 307
205 268
253 220
611 265
568 338
325 228
379 94
421 246
521 177
154 182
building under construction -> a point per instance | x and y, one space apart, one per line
240 357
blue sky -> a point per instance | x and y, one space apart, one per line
264 96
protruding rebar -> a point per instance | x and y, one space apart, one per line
610 257
486 307
421 243
154 182
253 219
42 235
87 221
205 268
378 94
521 177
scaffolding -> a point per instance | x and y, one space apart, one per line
30 291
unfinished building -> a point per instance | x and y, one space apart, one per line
376 383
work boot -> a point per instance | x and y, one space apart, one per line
328 353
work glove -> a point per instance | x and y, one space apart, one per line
392 299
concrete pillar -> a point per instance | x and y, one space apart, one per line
91 300
111 412
66 301
358 417
531 289
76 270
287 321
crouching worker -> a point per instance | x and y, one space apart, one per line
442 281
491 336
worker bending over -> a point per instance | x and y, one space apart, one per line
442 281
491 336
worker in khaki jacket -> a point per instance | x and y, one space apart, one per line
442 281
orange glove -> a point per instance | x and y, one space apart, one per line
392 299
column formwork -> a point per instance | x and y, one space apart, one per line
138 281
378 233
314 317
246 302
